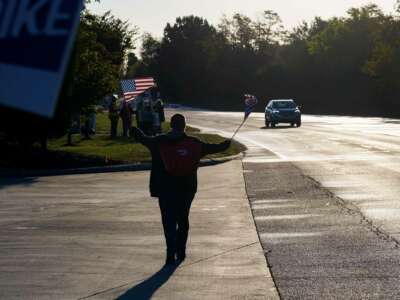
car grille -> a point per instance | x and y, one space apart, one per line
287 114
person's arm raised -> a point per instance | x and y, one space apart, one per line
215 148
141 137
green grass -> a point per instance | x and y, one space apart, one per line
124 150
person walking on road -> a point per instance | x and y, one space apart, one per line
173 180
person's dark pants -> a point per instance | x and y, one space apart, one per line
126 125
147 128
114 127
175 218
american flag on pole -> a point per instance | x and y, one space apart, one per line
250 102
131 88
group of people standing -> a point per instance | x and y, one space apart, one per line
148 109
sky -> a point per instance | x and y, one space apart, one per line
152 15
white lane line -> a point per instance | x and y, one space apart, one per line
272 206
383 213
256 202
340 183
287 235
286 217
264 190
26 228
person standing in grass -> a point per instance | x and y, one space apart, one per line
113 115
159 116
126 117
173 180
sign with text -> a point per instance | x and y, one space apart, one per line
36 38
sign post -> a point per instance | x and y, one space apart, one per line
36 39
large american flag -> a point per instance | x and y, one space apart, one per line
131 88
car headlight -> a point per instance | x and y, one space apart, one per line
275 111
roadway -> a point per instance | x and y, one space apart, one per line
325 201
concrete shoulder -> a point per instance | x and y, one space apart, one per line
99 236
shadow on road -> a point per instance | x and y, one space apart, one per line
146 289
26 181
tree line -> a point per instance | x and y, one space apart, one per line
343 65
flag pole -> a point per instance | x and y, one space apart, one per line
237 130
250 101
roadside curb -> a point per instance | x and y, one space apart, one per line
146 166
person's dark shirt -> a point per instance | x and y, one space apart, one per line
161 183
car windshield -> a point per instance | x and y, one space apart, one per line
283 104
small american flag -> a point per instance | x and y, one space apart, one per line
250 102
131 88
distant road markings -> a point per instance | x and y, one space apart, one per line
272 206
255 202
286 217
264 190
26 228
283 235
384 213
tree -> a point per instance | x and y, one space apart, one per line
150 49
268 30
238 31
183 58
340 51
383 66
132 65
149 56
97 64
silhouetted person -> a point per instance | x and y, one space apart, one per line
113 115
126 117
145 114
173 179
160 116
147 120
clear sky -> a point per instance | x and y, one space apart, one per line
152 15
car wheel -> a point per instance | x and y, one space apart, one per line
267 124
273 125
291 124
298 124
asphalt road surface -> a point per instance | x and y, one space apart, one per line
325 198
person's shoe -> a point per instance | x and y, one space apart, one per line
170 261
